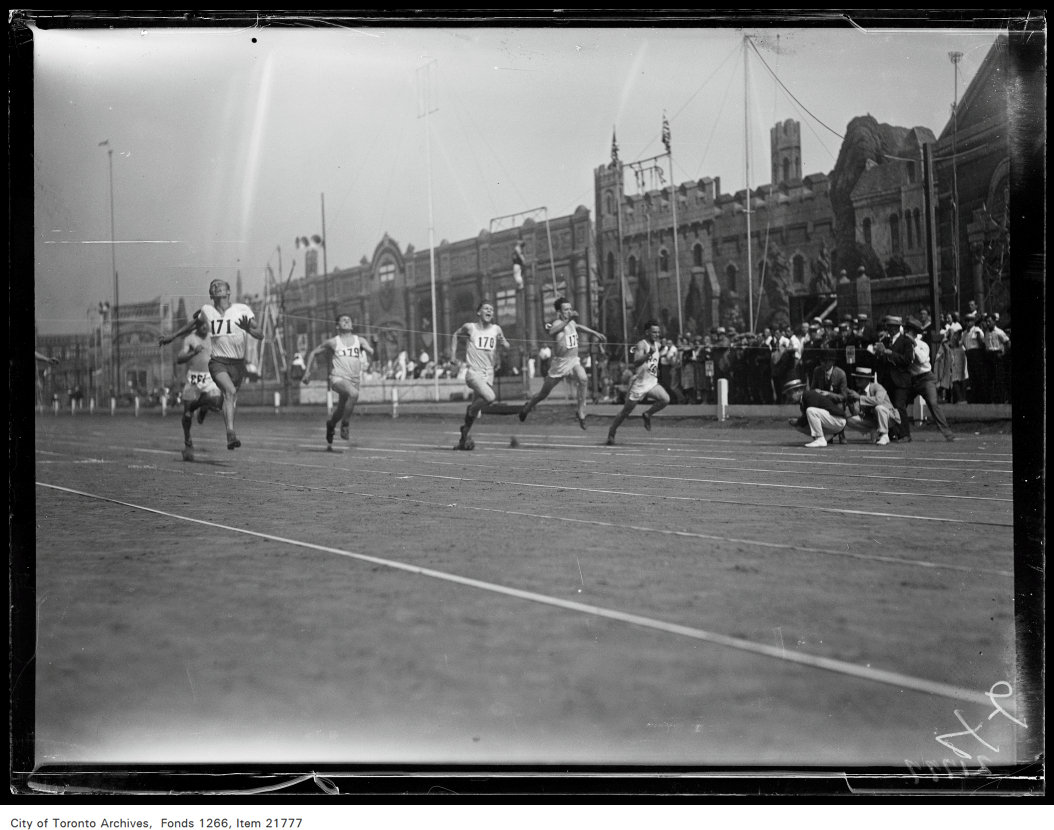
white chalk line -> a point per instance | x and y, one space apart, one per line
775 485
895 560
740 502
839 510
660 461
794 486
890 678
546 517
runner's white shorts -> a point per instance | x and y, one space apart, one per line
641 387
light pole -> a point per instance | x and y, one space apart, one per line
104 317
89 357
115 349
955 58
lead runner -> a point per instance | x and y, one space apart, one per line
228 323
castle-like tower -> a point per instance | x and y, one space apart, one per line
785 139
790 244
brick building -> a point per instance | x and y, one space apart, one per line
791 237
389 294
973 172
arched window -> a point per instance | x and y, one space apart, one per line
731 274
664 260
908 229
918 226
631 266
786 170
798 265
866 228
609 203
697 255
611 267
894 233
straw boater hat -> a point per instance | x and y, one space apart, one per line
863 373
891 320
912 324
793 386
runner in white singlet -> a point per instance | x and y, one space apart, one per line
483 338
645 383
566 362
346 352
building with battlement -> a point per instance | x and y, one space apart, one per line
791 236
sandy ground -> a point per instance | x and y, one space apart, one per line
555 602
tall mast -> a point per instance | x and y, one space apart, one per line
746 141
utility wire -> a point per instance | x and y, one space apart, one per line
791 94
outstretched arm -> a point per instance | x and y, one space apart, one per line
602 338
311 359
183 332
505 344
188 352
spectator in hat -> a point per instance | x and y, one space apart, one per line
870 408
791 392
830 381
909 357
822 417
811 351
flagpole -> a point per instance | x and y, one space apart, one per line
673 201
621 258
746 141
428 110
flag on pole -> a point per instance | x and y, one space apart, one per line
614 147
665 132
518 263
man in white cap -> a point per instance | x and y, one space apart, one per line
872 411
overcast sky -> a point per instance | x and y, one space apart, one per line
225 140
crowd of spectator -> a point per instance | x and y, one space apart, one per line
971 359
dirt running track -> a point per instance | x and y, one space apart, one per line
696 595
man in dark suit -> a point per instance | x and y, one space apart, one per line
822 415
830 381
908 358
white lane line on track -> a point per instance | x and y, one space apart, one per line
895 679
794 486
657 460
895 560
909 461
740 502
839 510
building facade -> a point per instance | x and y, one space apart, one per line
389 294
641 254
973 177
116 356
889 204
